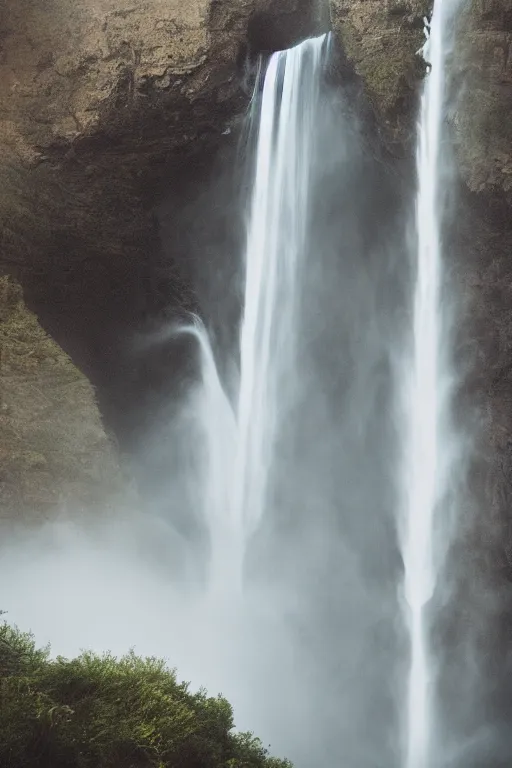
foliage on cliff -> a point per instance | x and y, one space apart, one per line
101 712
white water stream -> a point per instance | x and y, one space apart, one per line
428 449
237 487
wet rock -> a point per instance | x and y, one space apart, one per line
54 452
101 102
481 126
482 122
383 40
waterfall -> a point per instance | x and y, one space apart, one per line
428 451
216 418
237 488
274 250
292 465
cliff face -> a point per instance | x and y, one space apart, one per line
101 99
97 97
54 453
100 102
482 68
382 40
481 125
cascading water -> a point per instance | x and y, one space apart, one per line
216 418
428 451
276 235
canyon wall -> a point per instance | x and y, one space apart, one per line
54 452
101 101
481 125
383 40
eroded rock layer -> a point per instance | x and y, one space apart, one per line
482 67
481 125
100 102
54 453
383 40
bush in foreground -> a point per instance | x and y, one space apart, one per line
101 712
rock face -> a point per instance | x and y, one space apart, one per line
54 452
481 126
100 102
482 68
100 98
382 39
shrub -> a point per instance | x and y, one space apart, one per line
102 712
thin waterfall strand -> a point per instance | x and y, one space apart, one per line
425 407
217 420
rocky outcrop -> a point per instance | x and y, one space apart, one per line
100 100
383 40
481 126
482 67
102 103
54 453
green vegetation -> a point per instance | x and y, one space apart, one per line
100 712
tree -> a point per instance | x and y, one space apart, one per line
97 711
